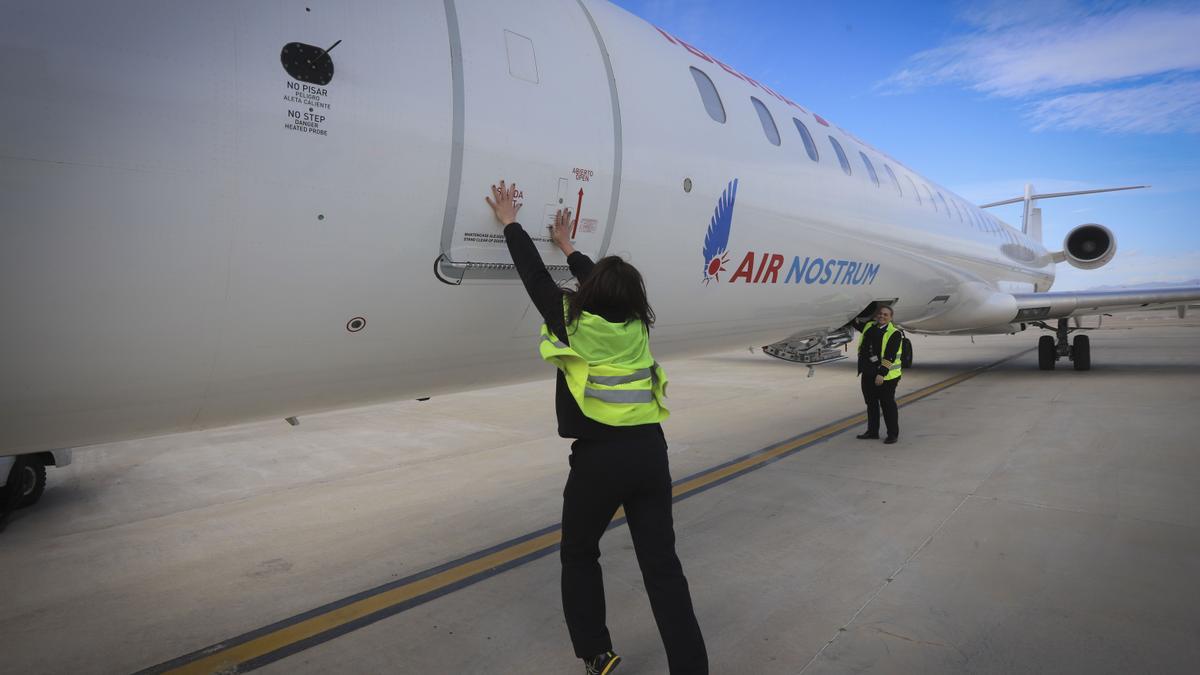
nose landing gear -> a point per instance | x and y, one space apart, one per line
1050 349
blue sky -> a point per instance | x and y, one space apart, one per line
985 96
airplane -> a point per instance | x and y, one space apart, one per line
221 212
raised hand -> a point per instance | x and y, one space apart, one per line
504 203
560 232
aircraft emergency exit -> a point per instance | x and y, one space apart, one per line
225 211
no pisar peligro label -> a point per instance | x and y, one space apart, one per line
308 108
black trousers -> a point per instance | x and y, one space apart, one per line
634 474
882 396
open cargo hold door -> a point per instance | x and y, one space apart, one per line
534 103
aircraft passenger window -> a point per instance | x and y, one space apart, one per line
709 95
913 185
870 168
945 207
892 175
930 196
768 122
837 147
957 211
809 146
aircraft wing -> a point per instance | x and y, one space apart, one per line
1067 304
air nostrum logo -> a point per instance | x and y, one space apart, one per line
765 268
716 240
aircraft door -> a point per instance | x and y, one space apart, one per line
533 104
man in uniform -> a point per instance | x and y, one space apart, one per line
879 350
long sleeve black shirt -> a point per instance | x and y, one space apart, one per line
547 297
872 345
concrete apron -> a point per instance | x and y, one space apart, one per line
1027 521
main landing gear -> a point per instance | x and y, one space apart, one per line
1050 349
26 481
23 479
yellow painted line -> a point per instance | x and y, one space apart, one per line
750 462
824 432
227 659
221 659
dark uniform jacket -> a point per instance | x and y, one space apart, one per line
872 347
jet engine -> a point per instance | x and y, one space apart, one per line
1089 246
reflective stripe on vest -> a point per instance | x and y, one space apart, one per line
620 395
614 380
609 370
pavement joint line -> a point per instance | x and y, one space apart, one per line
913 556
278 640
846 626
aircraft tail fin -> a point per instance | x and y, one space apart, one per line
1031 216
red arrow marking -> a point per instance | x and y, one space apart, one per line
578 205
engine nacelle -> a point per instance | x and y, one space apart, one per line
1089 246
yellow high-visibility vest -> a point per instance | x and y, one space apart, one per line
894 371
609 370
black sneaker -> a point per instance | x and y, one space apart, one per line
602 664
867 436
889 440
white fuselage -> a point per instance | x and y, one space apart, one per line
188 231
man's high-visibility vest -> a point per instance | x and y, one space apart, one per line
894 371
609 370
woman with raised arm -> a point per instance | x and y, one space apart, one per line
609 398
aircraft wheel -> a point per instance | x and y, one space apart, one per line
31 482
1081 353
1046 355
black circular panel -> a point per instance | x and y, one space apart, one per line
307 63
356 324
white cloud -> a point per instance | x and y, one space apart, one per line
1155 108
1025 58
998 14
1094 63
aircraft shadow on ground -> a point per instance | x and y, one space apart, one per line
1021 364
849 367
1107 368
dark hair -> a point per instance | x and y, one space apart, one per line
613 289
